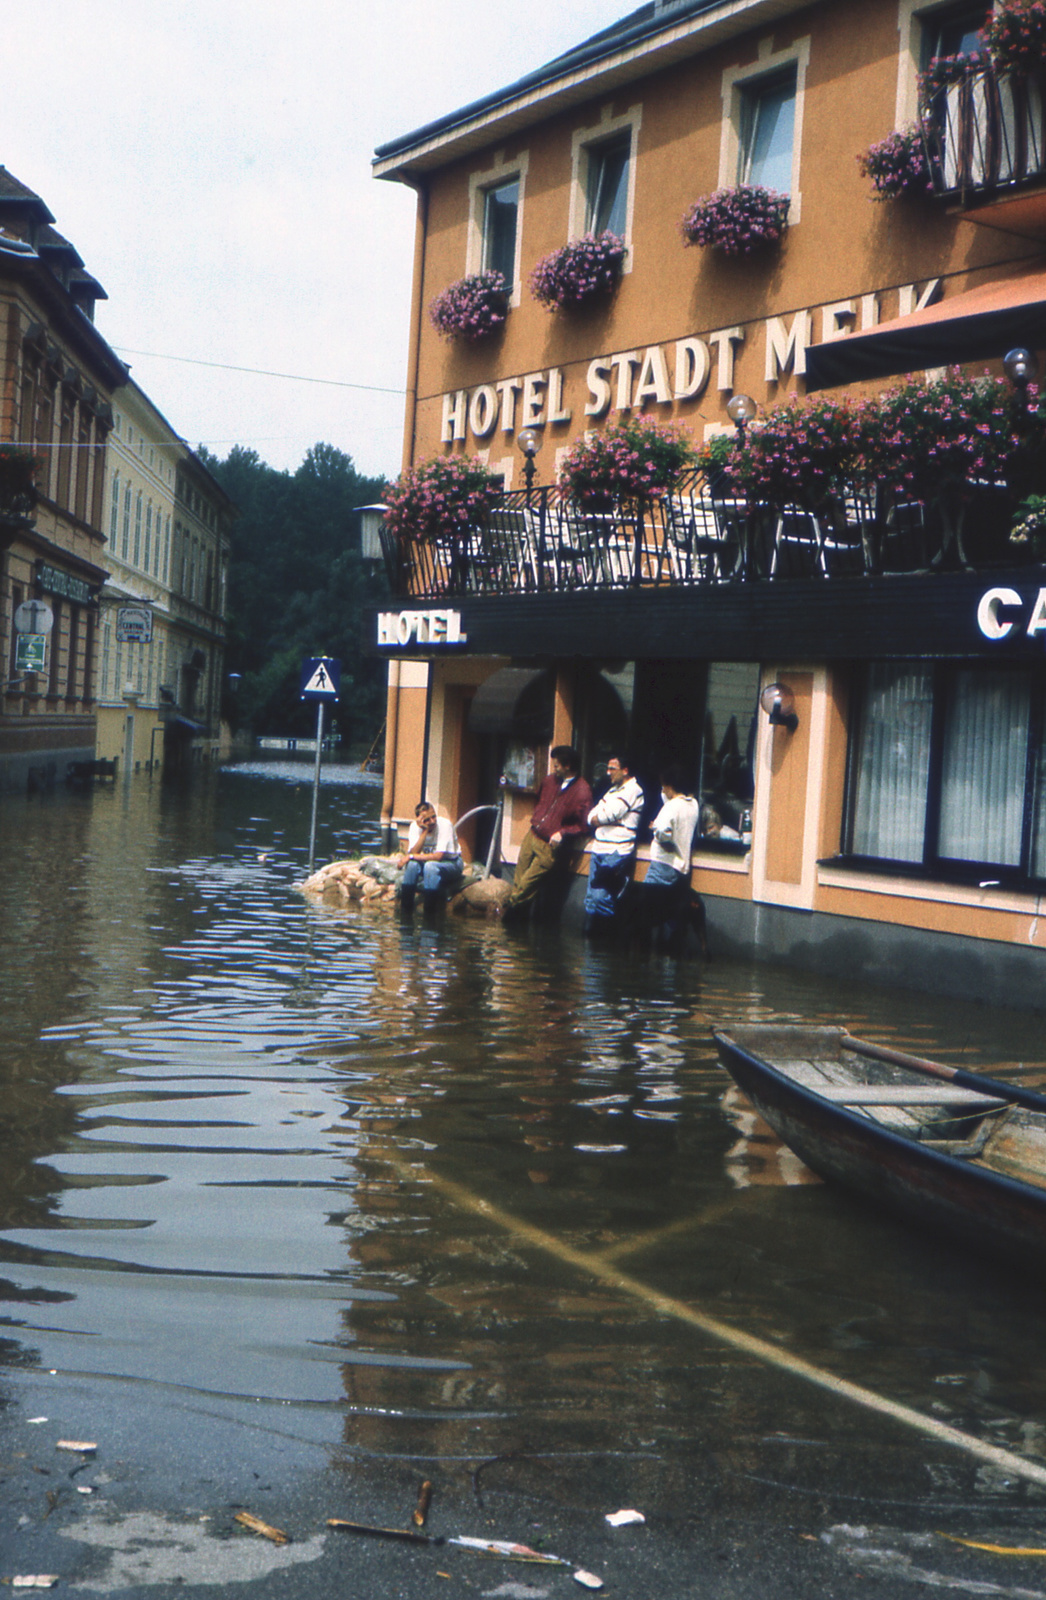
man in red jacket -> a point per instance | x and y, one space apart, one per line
559 822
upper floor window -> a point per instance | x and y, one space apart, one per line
953 31
500 212
606 208
767 132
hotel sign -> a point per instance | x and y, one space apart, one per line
54 581
663 375
402 628
1002 611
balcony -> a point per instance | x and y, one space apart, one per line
697 537
985 136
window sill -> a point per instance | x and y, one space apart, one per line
925 884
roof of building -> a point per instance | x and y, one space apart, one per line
13 192
652 36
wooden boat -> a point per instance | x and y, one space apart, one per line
943 1147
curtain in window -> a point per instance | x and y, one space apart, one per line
982 777
893 761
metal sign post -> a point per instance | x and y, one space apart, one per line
320 680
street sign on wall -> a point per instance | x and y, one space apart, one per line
30 652
134 624
34 616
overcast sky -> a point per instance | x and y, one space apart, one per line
210 160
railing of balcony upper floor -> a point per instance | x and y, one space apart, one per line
701 535
986 133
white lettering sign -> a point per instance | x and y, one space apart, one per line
401 628
996 627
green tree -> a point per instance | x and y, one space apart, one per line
299 587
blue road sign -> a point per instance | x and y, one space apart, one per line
320 678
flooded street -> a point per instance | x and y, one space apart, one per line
288 1191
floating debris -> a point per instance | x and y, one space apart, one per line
994 1549
383 1533
621 1519
508 1550
421 1510
83 1447
34 1580
587 1580
32 1421
266 1530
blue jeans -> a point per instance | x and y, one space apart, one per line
435 877
607 882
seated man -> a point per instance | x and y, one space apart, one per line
558 823
615 819
432 857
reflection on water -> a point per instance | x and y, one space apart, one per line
248 1144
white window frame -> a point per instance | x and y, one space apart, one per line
737 82
583 143
501 172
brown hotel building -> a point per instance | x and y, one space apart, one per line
898 830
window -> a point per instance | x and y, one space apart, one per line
137 530
947 770
606 208
955 31
500 209
114 518
767 132
126 536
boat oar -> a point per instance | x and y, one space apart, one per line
956 1075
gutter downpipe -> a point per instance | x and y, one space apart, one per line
409 428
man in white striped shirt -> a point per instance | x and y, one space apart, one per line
615 819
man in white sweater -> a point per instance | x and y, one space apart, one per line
615 819
667 882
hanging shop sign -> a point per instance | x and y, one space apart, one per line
134 625
663 374
30 652
401 628
54 581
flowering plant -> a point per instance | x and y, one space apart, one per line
803 454
471 308
18 470
736 221
578 271
943 71
936 437
1016 35
897 165
637 459
439 498
1030 525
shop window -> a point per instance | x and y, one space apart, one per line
767 131
606 208
947 771
728 754
500 217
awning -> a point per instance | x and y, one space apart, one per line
979 325
515 702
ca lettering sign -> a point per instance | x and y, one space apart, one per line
1001 612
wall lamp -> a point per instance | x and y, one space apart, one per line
529 442
742 410
1021 367
371 519
778 701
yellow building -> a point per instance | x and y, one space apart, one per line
890 819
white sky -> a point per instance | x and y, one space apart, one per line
211 164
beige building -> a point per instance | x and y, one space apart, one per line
890 820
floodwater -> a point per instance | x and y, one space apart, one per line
435 1194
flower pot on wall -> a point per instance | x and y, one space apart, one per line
578 273
737 221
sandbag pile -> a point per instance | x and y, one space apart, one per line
375 880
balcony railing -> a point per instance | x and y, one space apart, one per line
698 536
985 133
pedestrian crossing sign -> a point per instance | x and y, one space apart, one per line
320 678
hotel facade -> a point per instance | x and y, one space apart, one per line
890 820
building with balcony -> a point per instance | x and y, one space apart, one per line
58 377
886 798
